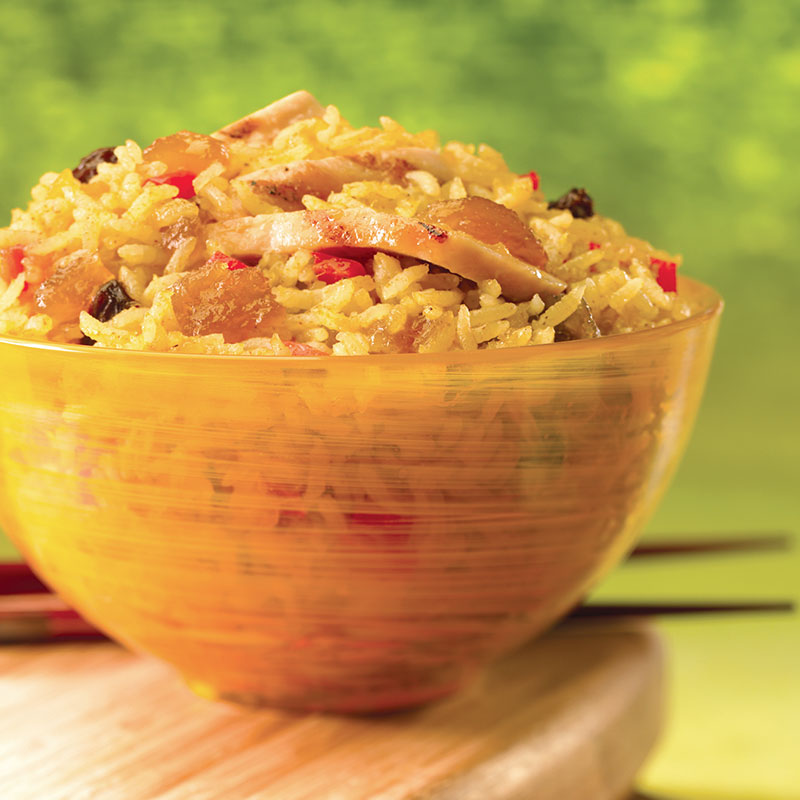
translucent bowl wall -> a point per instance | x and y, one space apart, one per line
349 534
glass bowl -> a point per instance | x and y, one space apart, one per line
340 533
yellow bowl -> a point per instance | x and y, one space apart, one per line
348 534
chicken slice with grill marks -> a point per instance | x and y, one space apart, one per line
491 223
454 250
285 184
398 161
261 127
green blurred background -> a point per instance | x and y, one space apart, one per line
681 119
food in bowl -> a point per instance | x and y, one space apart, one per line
343 534
290 232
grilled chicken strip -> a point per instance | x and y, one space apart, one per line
261 127
451 249
285 184
489 222
397 162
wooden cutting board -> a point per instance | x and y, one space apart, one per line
572 715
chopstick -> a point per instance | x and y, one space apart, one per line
595 610
749 543
42 618
20 579
45 618
30 613
31 619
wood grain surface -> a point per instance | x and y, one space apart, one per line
572 715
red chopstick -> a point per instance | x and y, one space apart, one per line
40 618
20 579
45 618
30 619
30 613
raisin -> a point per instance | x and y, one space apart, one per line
577 201
580 324
173 236
189 151
71 286
383 340
236 303
491 223
87 167
110 299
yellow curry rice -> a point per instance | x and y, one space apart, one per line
292 233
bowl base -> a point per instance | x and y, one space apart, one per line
402 698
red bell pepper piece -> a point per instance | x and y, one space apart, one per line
331 269
666 277
293 514
288 490
301 349
285 489
181 180
379 528
361 254
594 246
534 176
11 262
230 262
378 519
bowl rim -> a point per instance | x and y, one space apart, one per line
711 306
